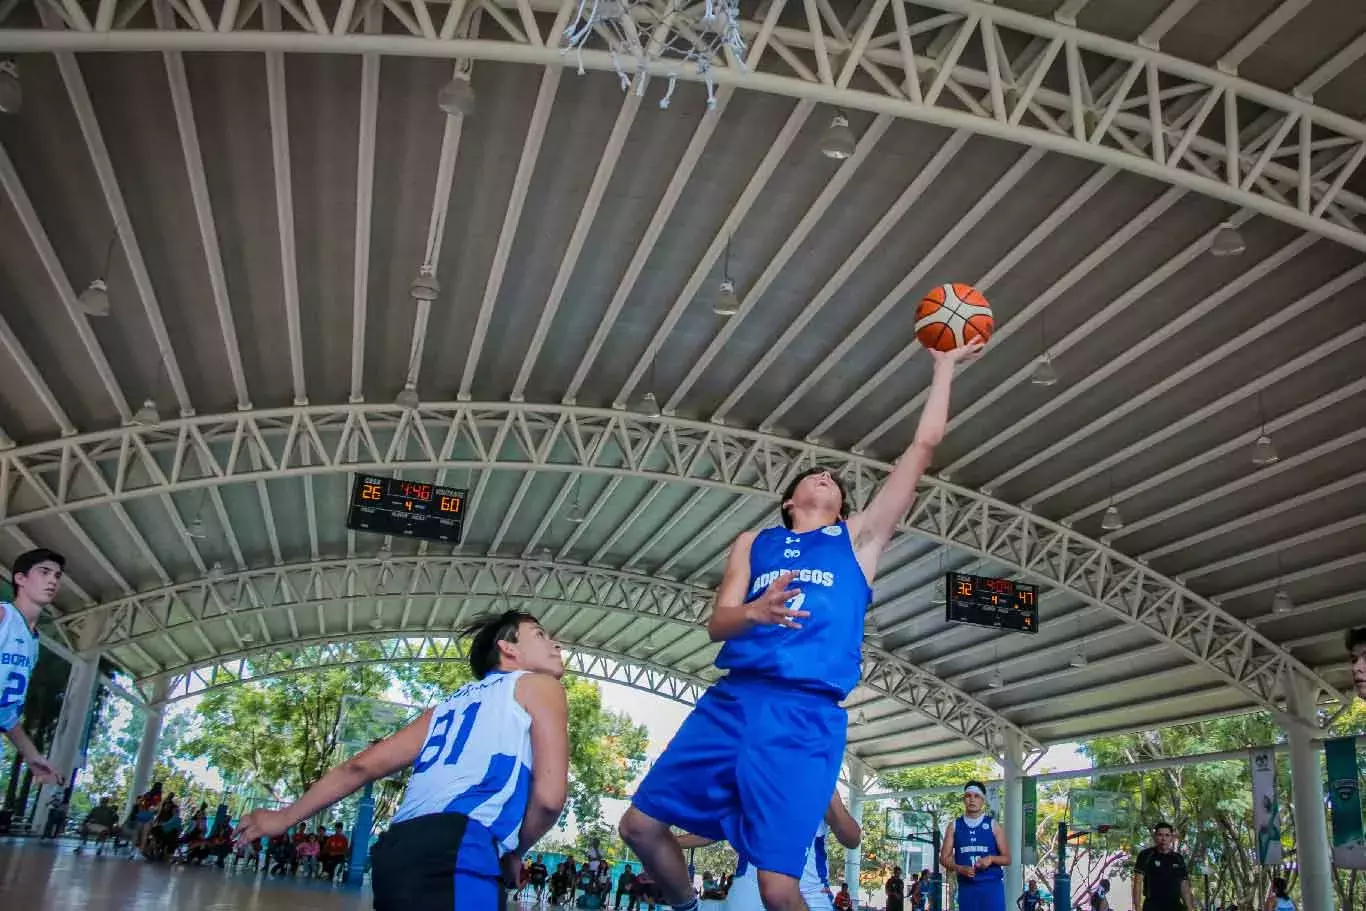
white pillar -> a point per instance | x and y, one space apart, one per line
1012 765
72 725
853 856
147 747
1307 796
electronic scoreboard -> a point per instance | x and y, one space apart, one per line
413 509
999 603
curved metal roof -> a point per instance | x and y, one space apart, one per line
264 181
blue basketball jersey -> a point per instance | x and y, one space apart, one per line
825 655
971 842
18 655
477 759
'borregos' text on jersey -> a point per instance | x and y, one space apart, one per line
18 655
825 654
477 759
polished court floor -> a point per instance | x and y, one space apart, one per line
40 875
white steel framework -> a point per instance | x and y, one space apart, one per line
1116 103
237 605
205 452
348 652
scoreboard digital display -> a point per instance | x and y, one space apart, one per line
412 509
998 603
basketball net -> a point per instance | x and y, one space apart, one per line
647 31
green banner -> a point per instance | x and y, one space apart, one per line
1029 788
1344 795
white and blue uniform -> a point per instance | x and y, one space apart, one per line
985 891
464 805
18 655
814 883
757 760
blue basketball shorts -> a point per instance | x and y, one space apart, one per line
754 764
983 896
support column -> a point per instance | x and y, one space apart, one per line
72 726
148 746
853 857
1307 796
1012 764
360 836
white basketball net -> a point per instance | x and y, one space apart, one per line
638 32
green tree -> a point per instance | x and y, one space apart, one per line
606 748
282 733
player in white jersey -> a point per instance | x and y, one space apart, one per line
814 882
36 575
490 776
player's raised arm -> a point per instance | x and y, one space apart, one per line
731 616
872 528
544 700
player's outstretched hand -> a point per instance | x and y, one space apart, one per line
964 355
260 824
511 867
43 771
772 608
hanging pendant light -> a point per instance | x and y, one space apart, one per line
727 302
1227 241
997 680
94 300
1044 373
650 405
1112 520
1264 451
147 414
216 571
195 531
456 97
407 397
1078 658
838 142
425 287
1281 602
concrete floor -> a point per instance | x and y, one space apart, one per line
40 875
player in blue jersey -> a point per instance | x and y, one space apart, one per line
975 848
756 761
490 775
36 576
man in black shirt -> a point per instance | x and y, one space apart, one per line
1161 882
1029 899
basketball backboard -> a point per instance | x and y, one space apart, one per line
906 824
1090 808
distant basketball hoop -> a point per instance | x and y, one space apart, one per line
639 32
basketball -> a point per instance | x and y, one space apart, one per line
952 316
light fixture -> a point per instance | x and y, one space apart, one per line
425 287
456 97
385 552
727 303
575 515
195 530
997 681
377 623
1227 241
1112 520
860 718
246 638
11 91
838 142
1264 451
1078 658
94 300
1281 602
1044 373
649 404
216 571
941 592
407 397
147 414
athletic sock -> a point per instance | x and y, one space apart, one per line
689 905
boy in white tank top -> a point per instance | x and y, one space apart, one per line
490 775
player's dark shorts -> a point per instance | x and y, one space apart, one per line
755 764
436 863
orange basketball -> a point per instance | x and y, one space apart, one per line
952 316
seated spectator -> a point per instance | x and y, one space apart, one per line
334 850
282 859
843 900
249 854
101 822
307 851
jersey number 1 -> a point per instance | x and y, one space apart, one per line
436 744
